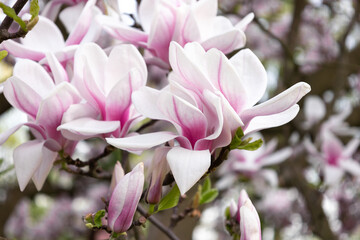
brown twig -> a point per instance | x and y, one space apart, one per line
17 8
146 125
5 25
157 223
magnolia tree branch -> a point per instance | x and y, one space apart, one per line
94 171
157 223
17 8
5 25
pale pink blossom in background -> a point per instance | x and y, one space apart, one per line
180 21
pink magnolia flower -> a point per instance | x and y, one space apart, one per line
240 81
182 21
336 159
107 83
125 198
245 213
46 37
34 92
199 127
208 98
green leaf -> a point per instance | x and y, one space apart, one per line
206 186
98 216
11 13
252 146
3 54
170 200
34 9
209 196
236 141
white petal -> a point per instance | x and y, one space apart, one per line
84 128
275 120
277 157
141 142
27 159
40 175
279 103
252 75
351 166
242 25
188 166
351 147
44 37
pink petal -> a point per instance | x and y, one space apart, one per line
269 121
188 120
252 75
118 173
190 73
41 173
147 10
161 33
351 147
121 31
242 25
22 51
25 167
226 42
22 96
351 166
188 166
332 174
35 76
58 71
226 79
52 108
89 68
144 100
277 157
119 66
82 25
250 222
141 142
84 128
277 104
118 102
81 110
332 148
44 37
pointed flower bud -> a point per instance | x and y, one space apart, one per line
124 199
250 223
118 173
246 215
157 172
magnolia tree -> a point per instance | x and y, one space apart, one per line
132 119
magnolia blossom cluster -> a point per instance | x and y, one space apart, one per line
75 89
